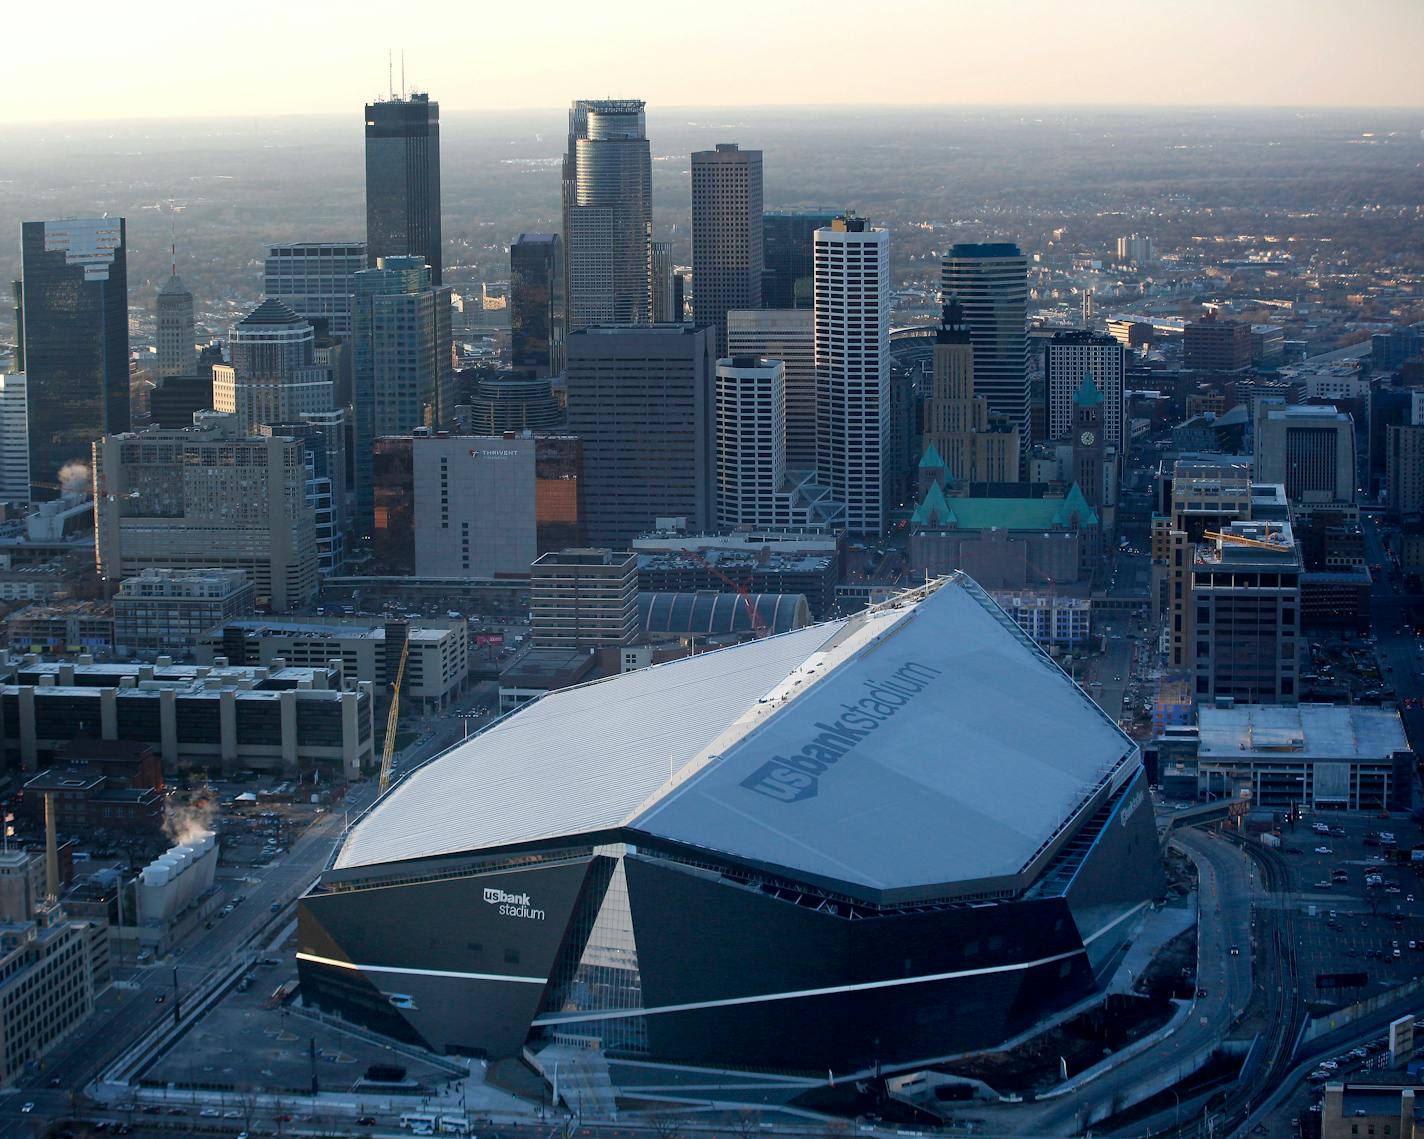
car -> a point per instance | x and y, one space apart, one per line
1392 889
158 1000
1330 1065
285 1117
1323 850
177 1111
210 1113
26 1108
152 1109
1394 952
1235 951
1359 1053
1201 993
366 1121
232 1113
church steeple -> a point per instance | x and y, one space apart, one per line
1088 394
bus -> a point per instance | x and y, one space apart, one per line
421 1122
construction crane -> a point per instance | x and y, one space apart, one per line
1242 540
389 750
759 628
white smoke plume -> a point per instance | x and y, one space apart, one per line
188 822
74 478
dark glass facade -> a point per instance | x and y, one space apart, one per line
789 244
393 498
76 336
403 181
536 303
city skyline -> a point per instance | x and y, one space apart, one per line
1218 58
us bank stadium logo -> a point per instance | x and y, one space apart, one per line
512 905
795 777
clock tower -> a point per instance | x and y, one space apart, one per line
1087 440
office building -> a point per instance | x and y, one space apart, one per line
717 869
401 361
474 506
1404 469
14 438
47 975
393 506
788 335
1315 757
210 497
1383 1109
536 304
583 599
727 251
74 330
789 256
666 284
403 181
223 716
640 399
1070 356
174 401
313 279
607 197
506 402
437 667
1390 348
956 427
1310 449
990 282
176 340
853 367
1212 344
751 442
273 377
166 612
323 435
62 627
1245 614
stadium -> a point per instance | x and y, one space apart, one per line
859 845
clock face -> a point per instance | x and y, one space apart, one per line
1087 438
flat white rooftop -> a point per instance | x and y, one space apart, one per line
1307 732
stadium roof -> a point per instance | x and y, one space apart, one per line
924 744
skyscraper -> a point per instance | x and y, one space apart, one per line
1310 448
313 279
789 255
991 282
272 377
14 439
608 194
403 181
177 350
788 335
727 249
401 365
75 330
640 398
751 440
667 293
853 367
954 421
536 304
1067 358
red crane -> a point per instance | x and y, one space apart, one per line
759 628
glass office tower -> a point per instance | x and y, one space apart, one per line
403 181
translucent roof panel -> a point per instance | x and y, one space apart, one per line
577 760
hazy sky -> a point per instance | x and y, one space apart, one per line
165 58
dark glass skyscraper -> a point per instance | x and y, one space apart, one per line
76 334
403 181
790 267
536 303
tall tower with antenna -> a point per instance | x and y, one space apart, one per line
403 176
177 352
